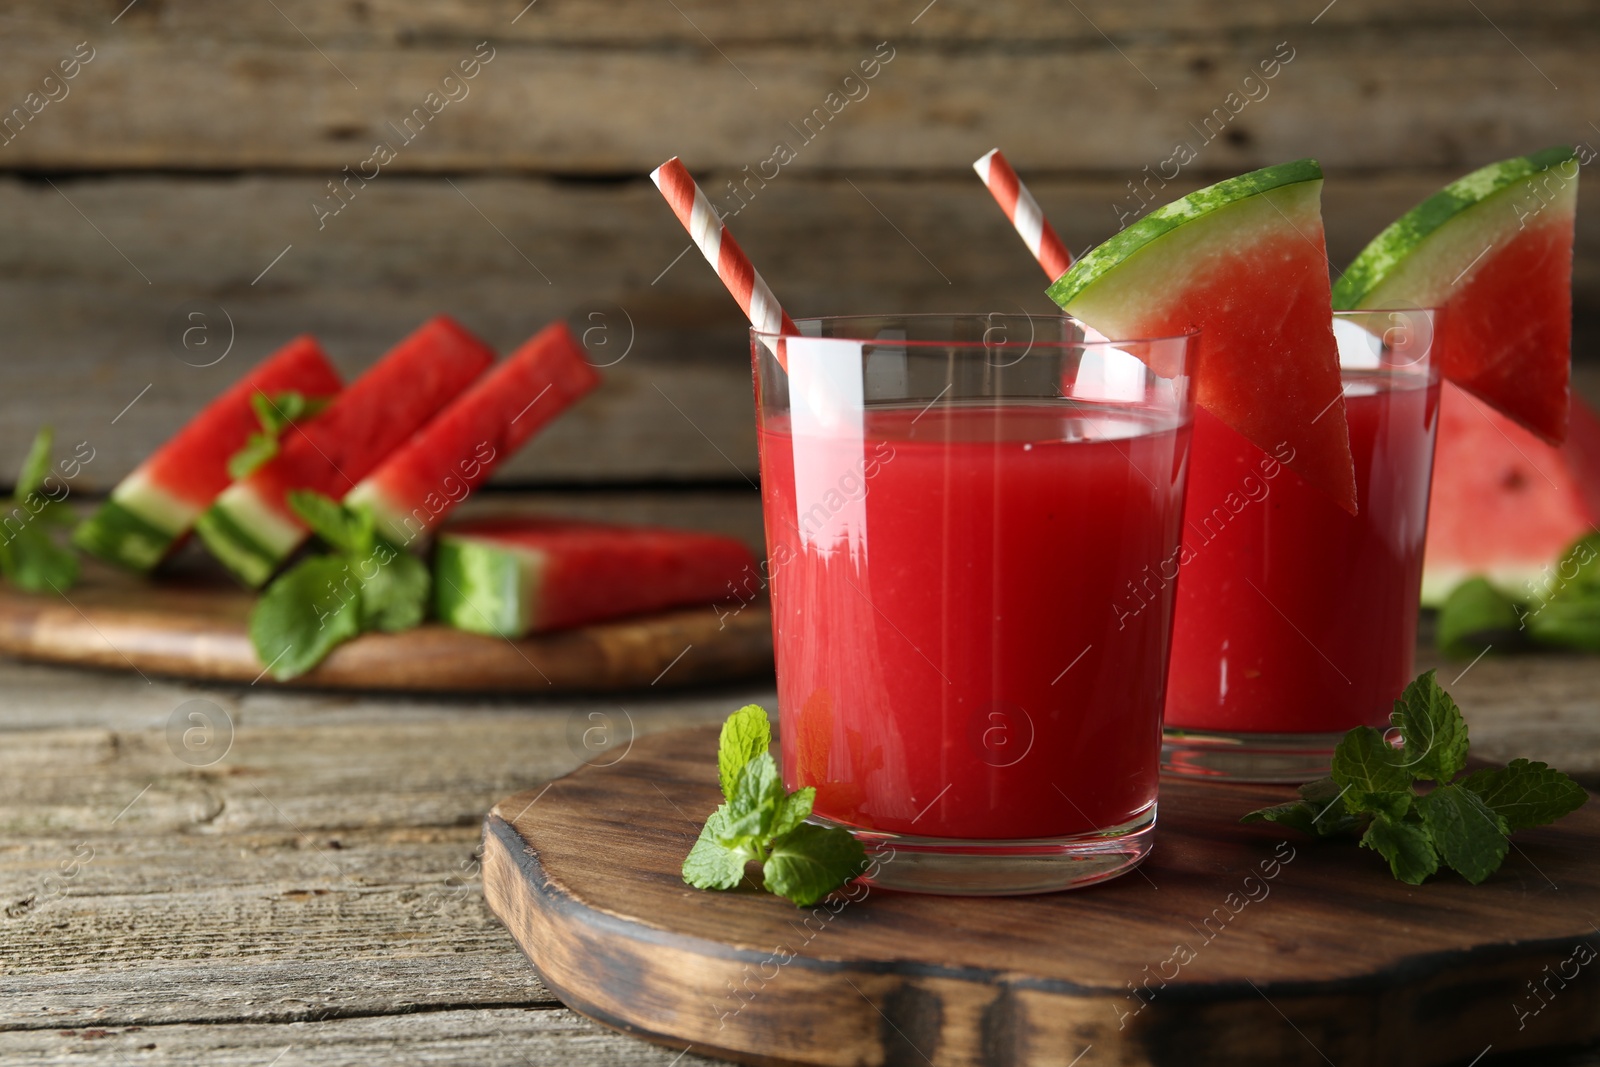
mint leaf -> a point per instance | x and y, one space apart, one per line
759 822
1329 815
1318 813
1393 805
809 862
275 414
1468 834
1296 814
394 588
1365 763
1570 621
1407 847
33 561
754 805
711 864
36 467
1475 615
258 448
1526 794
346 530
745 735
304 614
793 810
1434 731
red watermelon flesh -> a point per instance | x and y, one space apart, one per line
251 528
1245 261
193 465
155 505
511 575
1498 333
1493 250
422 481
1506 505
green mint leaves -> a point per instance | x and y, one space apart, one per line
31 558
275 413
1561 609
321 602
1460 823
759 823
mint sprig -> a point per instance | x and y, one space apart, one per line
1560 609
1460 823
760 823
31 557
275 413
365 584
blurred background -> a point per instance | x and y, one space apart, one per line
224 160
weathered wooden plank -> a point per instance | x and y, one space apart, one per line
404 23
86 334
504 1037
1359 98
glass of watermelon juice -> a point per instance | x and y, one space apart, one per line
952 506
1296 620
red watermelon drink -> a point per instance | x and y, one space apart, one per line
952 504
1296 620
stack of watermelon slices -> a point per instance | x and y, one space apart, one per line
409 441
153 509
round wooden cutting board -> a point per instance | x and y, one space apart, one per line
1230 946
194 626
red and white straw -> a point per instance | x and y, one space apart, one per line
1023 211
721 250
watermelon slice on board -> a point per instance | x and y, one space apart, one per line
512 575
152 509
251 529
1505 505
1493 251
1244 260
414 489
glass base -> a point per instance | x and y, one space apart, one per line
964 868
1247 757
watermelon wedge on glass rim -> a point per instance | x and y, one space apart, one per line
1493 252
251 528
508 576
1245 261
413 490
154 507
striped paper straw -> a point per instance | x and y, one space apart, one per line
1023 211
722 251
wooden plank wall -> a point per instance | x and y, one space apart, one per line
183 161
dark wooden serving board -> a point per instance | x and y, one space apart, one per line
194 626
1328 961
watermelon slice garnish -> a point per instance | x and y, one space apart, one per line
251 528
513 575
1493 250
152 509
1244 260
414 489
1504 504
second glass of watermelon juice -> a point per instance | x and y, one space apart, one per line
1297 621
952 505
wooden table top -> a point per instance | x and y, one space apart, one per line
312 896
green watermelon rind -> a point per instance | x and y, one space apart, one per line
1402 239
118 534
483 587
391 518
229 532
1106 257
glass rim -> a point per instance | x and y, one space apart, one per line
1388 311
1188 334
